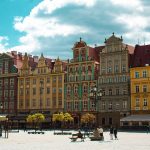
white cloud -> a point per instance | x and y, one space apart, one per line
36 26
3 43
133 22
135 5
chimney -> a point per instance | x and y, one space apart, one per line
35 58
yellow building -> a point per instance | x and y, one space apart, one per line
41 85
140 90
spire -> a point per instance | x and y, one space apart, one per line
80 39
25 62
113 33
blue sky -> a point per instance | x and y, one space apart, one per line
53 26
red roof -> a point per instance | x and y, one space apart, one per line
141 56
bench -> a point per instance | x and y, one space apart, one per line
37 132
75 137
92 138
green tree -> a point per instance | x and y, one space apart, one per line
63 118
36 119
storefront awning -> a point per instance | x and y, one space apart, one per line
141 118
3 118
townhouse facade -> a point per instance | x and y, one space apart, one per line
114 81
41 86
10 64
81 77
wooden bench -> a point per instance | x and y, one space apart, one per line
92 138
37 132
75 137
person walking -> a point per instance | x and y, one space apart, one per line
115 133
111 133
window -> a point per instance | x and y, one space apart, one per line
68 105
117 106
11 93
110 91
60 102
109 70
84 89
21 92
11 81
137 102
47 102
137 89
60 90
34 81
34 102
60 78
144 74
145 102
124 91
76 90
48 80
117 91
48 90
110 106
124 104
6 93
76 105
85 104
103 92
123 68
27 91
54 101
68 90
103 70
116 68
34 91
21 82
54 79
27 81
54 90
137 75
144 88
1 82
103 105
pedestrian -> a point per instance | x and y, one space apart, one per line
111 133
115 133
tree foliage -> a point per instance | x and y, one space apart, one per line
36 118
62 117
87 118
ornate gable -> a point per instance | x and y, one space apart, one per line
58 65
25 64
41 62
113 39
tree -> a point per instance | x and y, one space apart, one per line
88 119
36 119
63 118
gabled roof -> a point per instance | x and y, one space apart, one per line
79 44
141 56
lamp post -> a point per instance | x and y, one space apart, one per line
41 92
96 94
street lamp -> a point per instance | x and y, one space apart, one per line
96 94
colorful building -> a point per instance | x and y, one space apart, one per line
41 85
114 81
140 89
10 64
81 77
